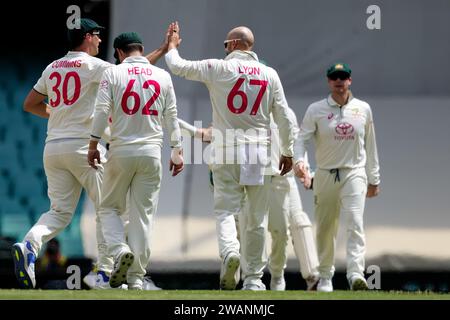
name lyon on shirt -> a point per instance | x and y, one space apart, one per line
249 70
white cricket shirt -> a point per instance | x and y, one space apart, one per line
139 97
71 84
344 136
243 93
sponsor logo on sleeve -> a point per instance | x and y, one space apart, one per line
104 84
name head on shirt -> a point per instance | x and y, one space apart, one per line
139 70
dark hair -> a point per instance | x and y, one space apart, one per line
132 47
75 39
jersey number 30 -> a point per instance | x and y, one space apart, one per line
76 92
137 99
236 92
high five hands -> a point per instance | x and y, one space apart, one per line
173 35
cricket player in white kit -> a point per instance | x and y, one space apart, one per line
140 98
70 84
286 214
243 94
347 172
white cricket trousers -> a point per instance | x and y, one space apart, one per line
67 171
141 176
335 194
229 196
286 213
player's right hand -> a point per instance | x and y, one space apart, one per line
285 165
173 35
372 190
93 154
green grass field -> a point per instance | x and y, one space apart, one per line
215 295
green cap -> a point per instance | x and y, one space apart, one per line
339 67
76 35
127 38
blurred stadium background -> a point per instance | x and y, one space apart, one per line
401 70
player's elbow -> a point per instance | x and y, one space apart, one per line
175 70
32 101
27 105
174 67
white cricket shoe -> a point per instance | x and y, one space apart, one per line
311 283
277 284
121 266
254 286
325 285
90 279
102 282
24 259
135 286
149 285
229 272
359 284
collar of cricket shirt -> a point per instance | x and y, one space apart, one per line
76 53
244 55
333 103
135 59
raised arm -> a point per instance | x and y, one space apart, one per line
156 54
203 70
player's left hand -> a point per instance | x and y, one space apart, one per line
93 154
285 164
372 191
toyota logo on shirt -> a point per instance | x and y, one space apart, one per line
344 129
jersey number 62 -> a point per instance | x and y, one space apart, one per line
137 99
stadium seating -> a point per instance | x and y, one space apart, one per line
23 184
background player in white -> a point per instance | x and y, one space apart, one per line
139 97
347 172
286 214
260 93
70 84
